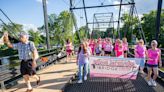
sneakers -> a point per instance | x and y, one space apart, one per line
154 83
85 77
38 81
149 83
80 81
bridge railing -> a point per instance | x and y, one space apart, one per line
13 62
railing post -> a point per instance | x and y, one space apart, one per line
2 86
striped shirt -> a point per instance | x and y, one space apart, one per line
24 50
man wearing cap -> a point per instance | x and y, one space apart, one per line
28 56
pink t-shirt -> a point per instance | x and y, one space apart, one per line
119 51
153 56
92 46
125 46
140 51
108 47
104 44
68 46
116 46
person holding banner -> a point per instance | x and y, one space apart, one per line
125 45
108 47
140 52
119 51
154 57
82 61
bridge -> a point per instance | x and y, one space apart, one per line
59 76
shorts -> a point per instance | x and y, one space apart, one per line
142 62
108 52
69 52
151 66
26 68
98 53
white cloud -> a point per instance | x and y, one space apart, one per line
27 27
40 1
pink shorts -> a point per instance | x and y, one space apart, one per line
69 52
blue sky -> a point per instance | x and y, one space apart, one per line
30 12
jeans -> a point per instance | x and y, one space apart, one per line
142 62
81 67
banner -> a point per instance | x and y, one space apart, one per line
101 66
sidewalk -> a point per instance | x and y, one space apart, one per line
53 78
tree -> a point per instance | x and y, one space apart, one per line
129 28
35 37
149 27
12 29
60 27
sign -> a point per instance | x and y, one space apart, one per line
101 66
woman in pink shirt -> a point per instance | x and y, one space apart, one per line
154 57
69 49
92 46
108 47
140 52
125 46
116 44
119 51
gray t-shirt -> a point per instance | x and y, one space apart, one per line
24 50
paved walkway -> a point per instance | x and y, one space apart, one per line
53 78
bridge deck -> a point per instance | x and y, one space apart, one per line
53 78
114 85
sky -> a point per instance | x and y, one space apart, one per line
30 12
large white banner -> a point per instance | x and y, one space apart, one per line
101 66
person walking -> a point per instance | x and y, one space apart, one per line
154 57
82 61
28 55
140 52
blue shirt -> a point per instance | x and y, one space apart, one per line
24 50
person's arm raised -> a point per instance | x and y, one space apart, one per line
7 41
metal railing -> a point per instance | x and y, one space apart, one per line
14 63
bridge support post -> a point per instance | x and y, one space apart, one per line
158 19
46 23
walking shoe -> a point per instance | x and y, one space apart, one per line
29 90
38 81
85 77
149 83
80 81
154 83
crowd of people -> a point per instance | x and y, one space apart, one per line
149 58
98 47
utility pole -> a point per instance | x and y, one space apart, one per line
46 23
158 19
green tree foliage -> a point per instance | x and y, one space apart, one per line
12 29
130 25
35 37
60 27
83 34
149 27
